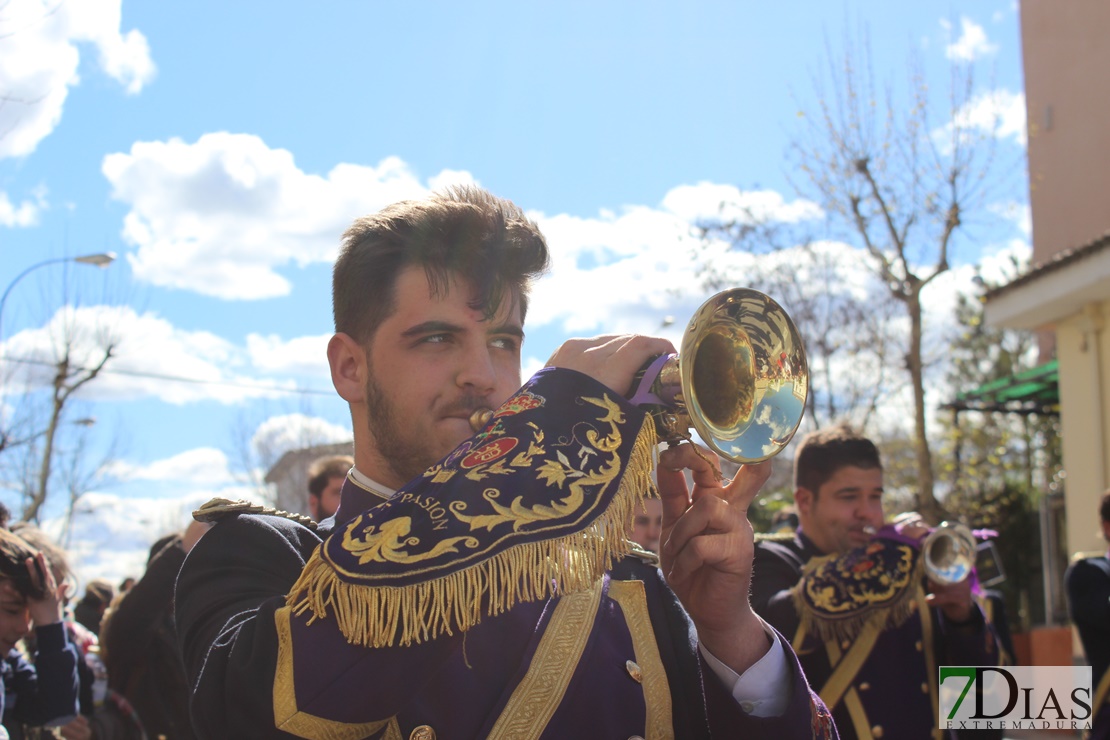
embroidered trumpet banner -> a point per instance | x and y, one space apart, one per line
537 503
876 584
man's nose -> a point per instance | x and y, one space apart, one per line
477 372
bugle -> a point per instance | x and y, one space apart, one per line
740 379
949 553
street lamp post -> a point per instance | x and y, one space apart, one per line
102 259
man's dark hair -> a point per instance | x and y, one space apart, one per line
1104 507
14 552
99 592
464 231
825 451
324 469
161 544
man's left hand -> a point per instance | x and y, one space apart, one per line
707 551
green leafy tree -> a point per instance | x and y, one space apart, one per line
999 460
986 443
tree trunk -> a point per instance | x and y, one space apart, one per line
31 512
928 506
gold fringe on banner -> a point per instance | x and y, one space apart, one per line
899 604
382 616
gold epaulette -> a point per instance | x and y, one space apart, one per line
647 556
774 536
218 508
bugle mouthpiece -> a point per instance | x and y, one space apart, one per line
480 418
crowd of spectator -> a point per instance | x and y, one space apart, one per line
101 667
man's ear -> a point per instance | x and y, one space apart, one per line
347 360
803 500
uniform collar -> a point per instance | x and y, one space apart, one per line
359 493
809 549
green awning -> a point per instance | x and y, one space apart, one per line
1033 391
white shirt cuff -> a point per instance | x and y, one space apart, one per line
764 689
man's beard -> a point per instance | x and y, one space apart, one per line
406 458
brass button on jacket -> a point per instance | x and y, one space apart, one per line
634 671
423 732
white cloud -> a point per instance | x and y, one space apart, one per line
280 434
998 264
40 49
447 178
126 59
148 351
23 215
998 113
111 534
629 272
972 43
203 466
223 215
727 202
301 356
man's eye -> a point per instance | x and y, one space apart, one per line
436 338
509 343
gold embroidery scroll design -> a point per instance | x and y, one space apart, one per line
570 529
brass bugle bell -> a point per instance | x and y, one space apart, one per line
740 379
741 383
949 553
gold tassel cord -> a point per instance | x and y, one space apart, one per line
382 616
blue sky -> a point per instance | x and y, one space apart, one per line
221 148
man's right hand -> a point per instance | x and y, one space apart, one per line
613 359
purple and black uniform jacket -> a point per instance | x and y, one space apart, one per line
894 687
612 661
1088 588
